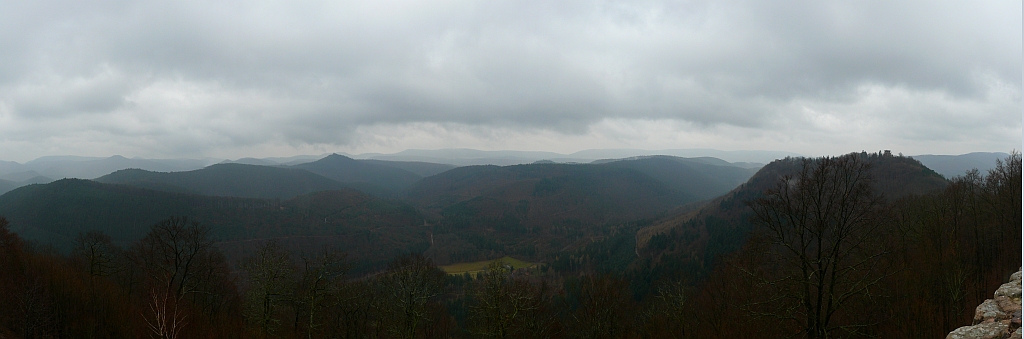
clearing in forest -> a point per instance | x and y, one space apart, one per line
477 266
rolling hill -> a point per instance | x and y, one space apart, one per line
422 169
7 185
545 193
691 242
533 211
89 168
371 230
537 209
229 180
954 165
704 178
372 177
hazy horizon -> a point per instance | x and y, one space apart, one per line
586 154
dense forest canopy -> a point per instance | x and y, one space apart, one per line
859 245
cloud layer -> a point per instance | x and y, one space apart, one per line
261 78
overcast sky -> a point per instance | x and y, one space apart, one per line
261 78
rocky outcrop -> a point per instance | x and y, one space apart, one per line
996 318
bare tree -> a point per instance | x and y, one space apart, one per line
507 307
166 319
409 284
269 273
320 284
672 304
821 226
605 309
178 261
1003 185
97 251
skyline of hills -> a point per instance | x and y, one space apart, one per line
49 168
387 180
85 167
562 201
647 221
228 180
472 212
54 214
692 240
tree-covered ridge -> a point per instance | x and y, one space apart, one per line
829 248
378 177
690 243
372 228
229 180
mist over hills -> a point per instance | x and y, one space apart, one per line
46 169
387 180
466 213
90 167
953 165
422 169
371 229
691 241
470 157
57 167
380 180
527 209
7 185
537 210
643 222
704 177
14 180
229 180
464 156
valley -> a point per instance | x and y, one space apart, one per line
641 229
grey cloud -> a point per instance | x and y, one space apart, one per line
313 72
55 97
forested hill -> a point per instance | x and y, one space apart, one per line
343 263
377 177
473 212
370 229
228 180
689 244
7 185
536 210
373 176
626 189
703 178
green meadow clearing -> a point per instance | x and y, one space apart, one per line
477 266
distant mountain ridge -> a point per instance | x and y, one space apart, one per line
371 230
955 165
389 174
46 169
469 157
692 240
390 179
531 211
258 180
229 180
703 177
535 210
57 167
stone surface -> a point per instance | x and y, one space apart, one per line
991 330
996 318
1007 305
989 311
1012 288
